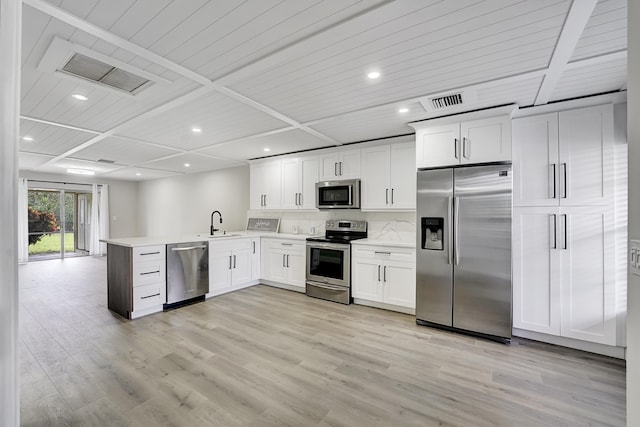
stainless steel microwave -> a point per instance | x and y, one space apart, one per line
344 194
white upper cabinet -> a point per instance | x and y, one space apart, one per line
564 158
467 142
299 177
266 185
343 164
389 177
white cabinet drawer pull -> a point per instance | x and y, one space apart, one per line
151 296
286 244
150 272
150 253
382 253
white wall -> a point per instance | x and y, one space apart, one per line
183 204
123 199
10 31
633 134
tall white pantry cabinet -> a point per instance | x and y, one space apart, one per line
564 229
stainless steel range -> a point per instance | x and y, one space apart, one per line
329 260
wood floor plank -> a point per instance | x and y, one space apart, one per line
264 356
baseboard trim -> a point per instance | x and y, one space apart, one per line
591 347
391 307
283 286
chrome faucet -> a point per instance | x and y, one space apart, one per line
213 230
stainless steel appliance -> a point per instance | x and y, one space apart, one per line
344 194
187 272
329 260
463 263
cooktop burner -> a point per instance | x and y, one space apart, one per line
342 232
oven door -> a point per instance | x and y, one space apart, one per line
329 263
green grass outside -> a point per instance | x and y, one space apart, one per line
51 244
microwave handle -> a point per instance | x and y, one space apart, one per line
351 195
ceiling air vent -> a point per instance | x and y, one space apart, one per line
446 101
456 101
102 73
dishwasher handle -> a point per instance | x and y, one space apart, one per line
190 248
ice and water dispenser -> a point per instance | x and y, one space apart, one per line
432 233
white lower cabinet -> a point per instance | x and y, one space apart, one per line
283 262
563 272
230 265
384 276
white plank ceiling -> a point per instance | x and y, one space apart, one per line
291 75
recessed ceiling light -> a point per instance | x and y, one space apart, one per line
81 171
27 138
196 130
186 165
373 75
267 149
403 110
79 97
138 174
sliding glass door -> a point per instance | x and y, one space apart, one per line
59 223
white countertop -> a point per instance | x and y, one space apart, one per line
392 243
165 240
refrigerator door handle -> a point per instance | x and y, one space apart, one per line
456 253
450 231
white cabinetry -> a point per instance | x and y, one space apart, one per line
564 158
230 265
564 280
266 185
467 142
148 279
343 164
299 177
388 177
283 263
384 276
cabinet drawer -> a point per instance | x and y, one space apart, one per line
227 245
149 272
148 253
384 253
287 245
148 296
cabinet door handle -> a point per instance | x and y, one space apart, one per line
300 199
335 169
378 273
563 166
283 263
151 296
392 196
455 147
340 168
287 260
554 227
254 246
466 148
265 200
386 196
553 180
229 262
384 274
565 231
234 261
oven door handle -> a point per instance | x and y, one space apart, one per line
337 246
331 287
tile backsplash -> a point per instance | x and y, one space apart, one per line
390 226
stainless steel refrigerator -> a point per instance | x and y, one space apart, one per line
463 268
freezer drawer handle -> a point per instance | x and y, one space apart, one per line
190 248
150 253
150 272
151 296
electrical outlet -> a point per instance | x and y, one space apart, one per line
634 257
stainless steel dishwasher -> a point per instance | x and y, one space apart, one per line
187 272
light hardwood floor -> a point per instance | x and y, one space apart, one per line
265 356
